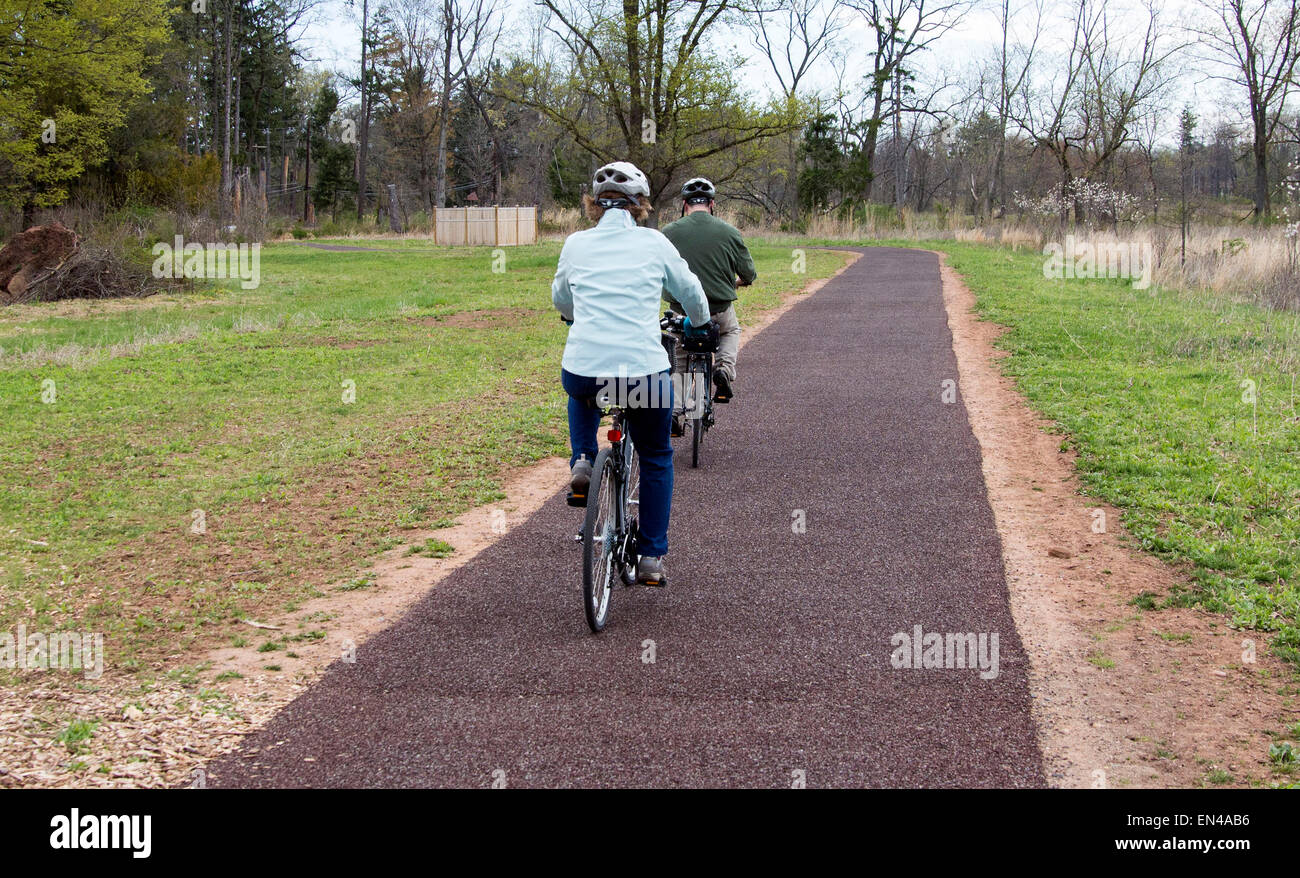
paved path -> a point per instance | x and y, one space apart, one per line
771 648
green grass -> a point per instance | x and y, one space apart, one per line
350 397
76 734
431 548
1218 777
1148 388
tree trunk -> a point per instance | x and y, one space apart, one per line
873 134
900 151
440 196
364 142
227 169
793 149
1261 172
306 179
993 192
426 187
444 107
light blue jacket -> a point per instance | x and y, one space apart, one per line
609 282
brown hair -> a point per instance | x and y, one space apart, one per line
595 211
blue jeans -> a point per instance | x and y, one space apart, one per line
648 416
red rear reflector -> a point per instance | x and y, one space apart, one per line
615 435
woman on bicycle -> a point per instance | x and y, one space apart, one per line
607 286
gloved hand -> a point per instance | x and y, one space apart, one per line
693 331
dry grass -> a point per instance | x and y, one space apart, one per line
563 220
1239 262
1242 263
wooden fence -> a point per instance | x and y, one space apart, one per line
485 226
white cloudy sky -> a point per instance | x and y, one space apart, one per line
332 40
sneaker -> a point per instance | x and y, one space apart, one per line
650 570
579 482
679 426
721 388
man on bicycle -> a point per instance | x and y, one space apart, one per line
717 255
607 286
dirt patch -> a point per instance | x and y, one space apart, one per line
397 579
1122 696
488 318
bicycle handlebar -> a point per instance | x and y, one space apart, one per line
673 322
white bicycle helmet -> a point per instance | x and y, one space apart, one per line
622 177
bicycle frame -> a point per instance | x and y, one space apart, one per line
697 362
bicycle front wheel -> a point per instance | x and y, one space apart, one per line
599 542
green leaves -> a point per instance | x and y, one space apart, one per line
68 75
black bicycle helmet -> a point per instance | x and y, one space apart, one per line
698 190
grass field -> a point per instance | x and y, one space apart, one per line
300 428
1183 409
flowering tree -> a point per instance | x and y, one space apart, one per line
1097 200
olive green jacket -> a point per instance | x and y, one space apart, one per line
716 254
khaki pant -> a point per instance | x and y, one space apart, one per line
724 360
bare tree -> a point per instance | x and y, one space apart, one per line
407 54
1045 110
1122 81
469 31
794 35
641 84
1256 44
1012 63
1086 113
902 30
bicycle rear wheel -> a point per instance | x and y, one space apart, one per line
599 542
697 434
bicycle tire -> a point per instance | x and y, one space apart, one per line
631 509
697 434
599 535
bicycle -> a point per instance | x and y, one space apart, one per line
696 381
609 530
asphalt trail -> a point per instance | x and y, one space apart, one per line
771 647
